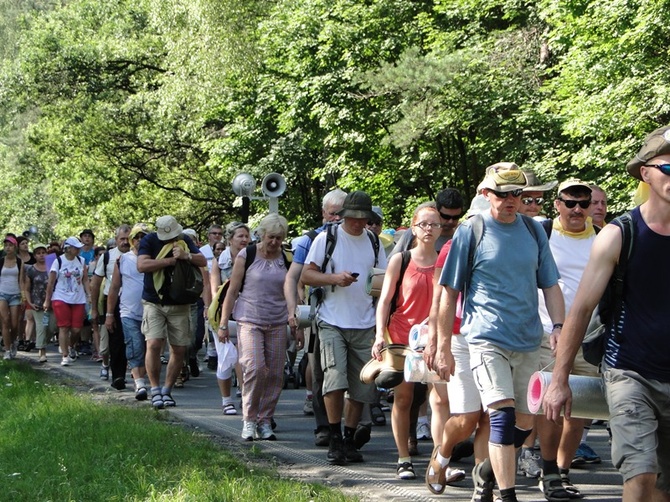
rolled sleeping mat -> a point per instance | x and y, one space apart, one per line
374 282
302 314
588 395
416 370
418 337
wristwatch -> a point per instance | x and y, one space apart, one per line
558 325
223 328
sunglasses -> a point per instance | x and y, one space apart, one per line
584 204
664 168
513 193
449 216
371 223
527 201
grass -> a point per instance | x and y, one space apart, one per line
58 445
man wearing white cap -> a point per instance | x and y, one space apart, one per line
163 317
636 364
499 272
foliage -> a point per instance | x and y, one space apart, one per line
122 111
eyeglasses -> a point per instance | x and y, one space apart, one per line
513 193
527 201
424 225
216 233
664 168
584 204
449 216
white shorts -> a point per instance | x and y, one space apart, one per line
461 388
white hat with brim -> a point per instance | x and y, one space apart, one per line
167 228
73 242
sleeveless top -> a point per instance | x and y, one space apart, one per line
414 300
645 325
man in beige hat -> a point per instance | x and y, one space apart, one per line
636 365
498 274
162 317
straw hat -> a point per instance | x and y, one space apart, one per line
388 372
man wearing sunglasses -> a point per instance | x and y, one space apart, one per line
533 196
636 366
499 279
571 239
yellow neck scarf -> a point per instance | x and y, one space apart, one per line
584 234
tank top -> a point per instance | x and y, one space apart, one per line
645 326
414 300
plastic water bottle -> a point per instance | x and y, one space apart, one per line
46 318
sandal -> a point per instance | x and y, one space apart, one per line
377 415
552 486
157 401
168 402
436 475
405 471
572 490
229 409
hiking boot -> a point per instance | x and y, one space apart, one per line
585 455
248 430
528 464
351 452
552 486
322 436
362 435
336 453
483 488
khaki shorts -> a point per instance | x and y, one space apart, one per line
501 374
171 322
344 352
581 367
640 423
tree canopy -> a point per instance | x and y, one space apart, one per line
121 111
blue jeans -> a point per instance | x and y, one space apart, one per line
136 345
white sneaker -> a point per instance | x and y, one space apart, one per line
264 432
67 361
248 430
308 408
423 431
7 356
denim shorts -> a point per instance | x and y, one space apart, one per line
136 345
12 300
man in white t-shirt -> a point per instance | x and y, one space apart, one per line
214 235
346 319
114 350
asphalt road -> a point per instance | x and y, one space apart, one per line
199 404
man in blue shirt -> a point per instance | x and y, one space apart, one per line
499 279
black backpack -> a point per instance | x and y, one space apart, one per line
186 283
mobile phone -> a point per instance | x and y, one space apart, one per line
355 275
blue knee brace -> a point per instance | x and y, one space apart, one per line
502 426
520 436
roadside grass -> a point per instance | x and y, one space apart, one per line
57 445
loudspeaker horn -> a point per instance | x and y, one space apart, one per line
273 185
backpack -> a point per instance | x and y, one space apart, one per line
607 314
186 284
406 257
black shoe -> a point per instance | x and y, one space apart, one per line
30 346
362 435
273 423
119 383
336 454
483 488
193 366
463 449
212 363
322 436
351 452
21 345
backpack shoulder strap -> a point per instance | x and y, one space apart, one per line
331 240
251 256
374 240
548 226
287 254
312 234
406 257
626 225
528 221
105 261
